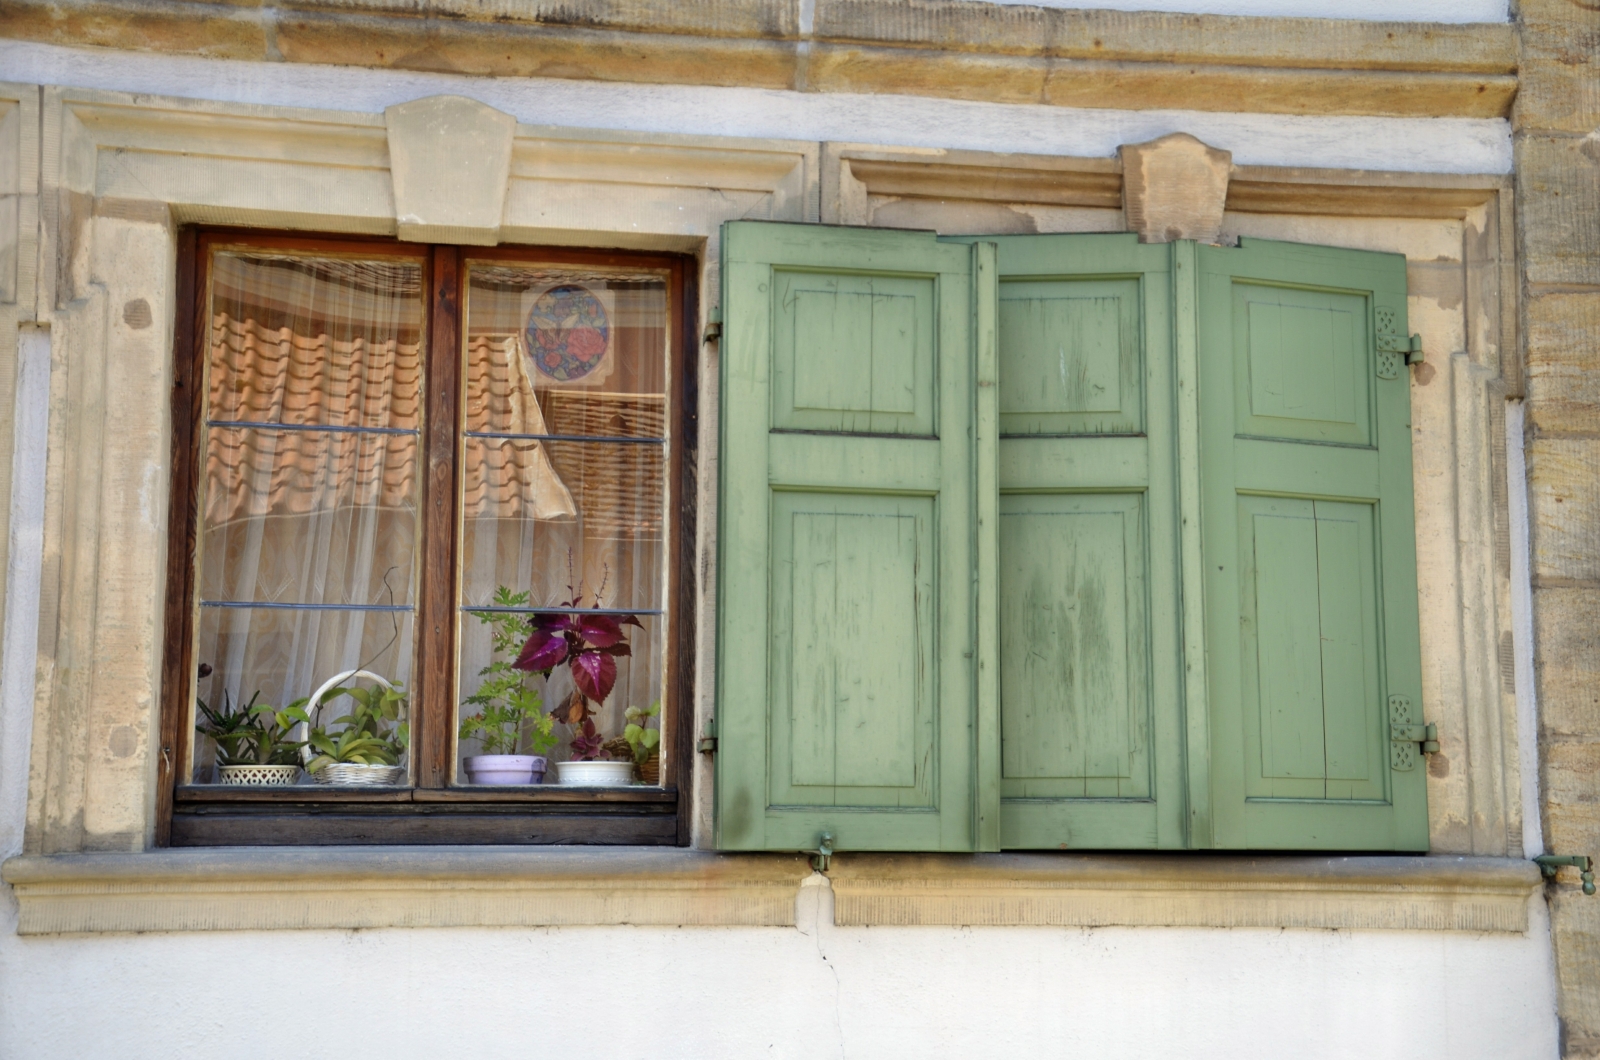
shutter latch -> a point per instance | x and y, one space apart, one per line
1549 863
713 330
708 742
1408 735
823 853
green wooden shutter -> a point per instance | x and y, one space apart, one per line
847 678
1090 707
1309 549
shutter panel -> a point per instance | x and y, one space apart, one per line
1309 548
1090 718
847 538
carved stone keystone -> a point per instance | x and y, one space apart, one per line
1174 188
450 160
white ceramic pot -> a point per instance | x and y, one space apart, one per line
595 774
253 774
357 774
504 769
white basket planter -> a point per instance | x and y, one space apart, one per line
347 773
354 773
254 774
595 774
504 769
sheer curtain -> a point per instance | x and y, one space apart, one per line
308 557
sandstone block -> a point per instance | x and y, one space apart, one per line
1558 192
1563 335
450 159
1564 507
1567 657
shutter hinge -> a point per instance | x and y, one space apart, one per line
821 856
713 330
1549 863
708 742
1394 348
1408 735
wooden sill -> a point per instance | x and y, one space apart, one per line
456 886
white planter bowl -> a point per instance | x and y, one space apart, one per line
595 774
359 775
504 769
253 774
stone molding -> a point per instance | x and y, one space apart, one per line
374 887
1185 890
946 48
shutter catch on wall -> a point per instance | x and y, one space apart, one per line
1407 735
713 330
1549 863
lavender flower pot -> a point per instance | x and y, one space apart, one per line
504 769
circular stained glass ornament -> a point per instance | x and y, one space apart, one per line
568 332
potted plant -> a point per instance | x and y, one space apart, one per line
589 644
373 738
508 715
253 742
639 743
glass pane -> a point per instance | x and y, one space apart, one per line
308 539
563 478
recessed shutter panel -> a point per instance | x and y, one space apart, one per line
847 534
1309 553
1089 699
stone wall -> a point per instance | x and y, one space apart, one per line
1558 189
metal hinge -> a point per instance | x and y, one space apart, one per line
708 742
1395 348
821 856
713 330
1408 735
1549 863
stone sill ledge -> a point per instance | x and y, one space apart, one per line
231 889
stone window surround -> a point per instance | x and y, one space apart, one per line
118 173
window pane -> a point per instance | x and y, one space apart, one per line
308 540
563 479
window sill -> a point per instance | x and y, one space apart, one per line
1438 893
229 889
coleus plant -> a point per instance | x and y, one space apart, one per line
588 643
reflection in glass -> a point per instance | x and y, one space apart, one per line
563 480
307 552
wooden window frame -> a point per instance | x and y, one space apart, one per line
430 812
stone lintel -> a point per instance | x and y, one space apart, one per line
946 48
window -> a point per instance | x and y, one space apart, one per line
430 509
1051 542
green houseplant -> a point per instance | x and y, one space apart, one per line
253 741
588 642
643 741
371 739
506 715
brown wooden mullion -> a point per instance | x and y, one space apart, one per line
679 737
433 748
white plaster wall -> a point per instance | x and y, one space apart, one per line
1426 145
812 992
1378 10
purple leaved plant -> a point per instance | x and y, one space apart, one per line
588 643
